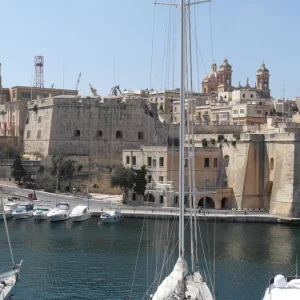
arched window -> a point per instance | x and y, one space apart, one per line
99 134
39 134
141 135
28 134
27 120
119 134
272 163
77 133
226 160
39 119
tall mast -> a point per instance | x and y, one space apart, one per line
182 126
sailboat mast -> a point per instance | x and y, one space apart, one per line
5 225
182 127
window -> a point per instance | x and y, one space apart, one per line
127 160
185 163
28 134
133 197
27 120
206 162
149 161
39 134
133 160
161 199
149 178
175 109
235 111
161 161
225 97
99 133
215 162
258 111
207 182
141 135
161 178
119 134
251 96
272 164
226 160
76 133
175 200
244 95
154 162
242 111
39 119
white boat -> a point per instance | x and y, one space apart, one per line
41 212
9 208
80 213
8 279
60 213
112 216
282 288
23 211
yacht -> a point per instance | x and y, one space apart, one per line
80 213
40 213
112 215
282 288
60 213
23 211
9 208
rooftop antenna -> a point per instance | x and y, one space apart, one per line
39 71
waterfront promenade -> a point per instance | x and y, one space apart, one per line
100 203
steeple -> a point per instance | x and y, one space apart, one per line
225 76
263 80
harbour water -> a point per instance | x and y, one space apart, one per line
91 260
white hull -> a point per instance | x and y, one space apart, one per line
79 218
60 217
7 291
23 215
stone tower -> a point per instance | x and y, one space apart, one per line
225 76
263 81
211 81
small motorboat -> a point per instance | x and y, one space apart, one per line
112 216
9 208
41 212
8 281
23 211
60 213
80 213
282 288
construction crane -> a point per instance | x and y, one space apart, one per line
115 89
78 80
94 91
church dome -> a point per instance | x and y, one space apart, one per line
225 65
263 69
213 75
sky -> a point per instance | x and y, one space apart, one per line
124 42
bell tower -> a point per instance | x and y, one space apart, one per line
225 77
263 80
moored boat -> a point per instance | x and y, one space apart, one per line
9 208
60 213
80 213
112 215
41 212
23 211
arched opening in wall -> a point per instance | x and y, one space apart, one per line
141 135
149 198
99 134
226 160
28 134
76 133
40 119
272 163
119 134
39 134
225 203
206 202
204 90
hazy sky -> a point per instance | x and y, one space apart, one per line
92 36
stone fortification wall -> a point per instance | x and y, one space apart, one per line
100 128
218 129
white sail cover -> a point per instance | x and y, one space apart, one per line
193 285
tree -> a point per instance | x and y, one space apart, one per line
18 172
123 178
140 180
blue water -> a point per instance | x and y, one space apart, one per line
97 261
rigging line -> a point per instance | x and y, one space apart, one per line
152 46
214 258
211 34
173 250
203 250
208 244
137 258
